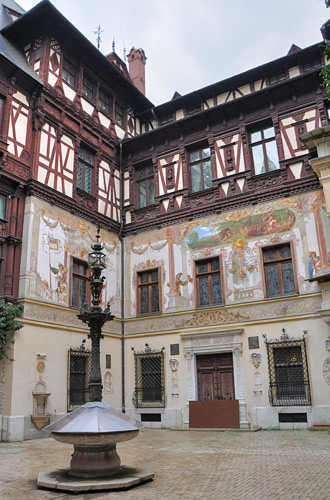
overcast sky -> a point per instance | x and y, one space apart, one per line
192 43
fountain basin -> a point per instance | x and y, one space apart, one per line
94 429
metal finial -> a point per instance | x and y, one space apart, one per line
98 38
113 45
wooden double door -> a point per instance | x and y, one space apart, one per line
216 406
215 377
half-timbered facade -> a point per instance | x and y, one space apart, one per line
214 219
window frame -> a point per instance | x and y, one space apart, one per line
108 100
88 87
4 204
147 180
209 273
150 283
280 261
83 165
119 114
79 277
67 72
263 142
201 161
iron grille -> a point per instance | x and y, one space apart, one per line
79 367
149 379
288 372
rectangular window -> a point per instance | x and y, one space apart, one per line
85 169
148 291
68 72
119 115
80 292
208 282
79 362
104 102
145 182
88 87
149 380
264 150
2 206
200 169
278 269
288 372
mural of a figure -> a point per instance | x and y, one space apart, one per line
313 264
61 284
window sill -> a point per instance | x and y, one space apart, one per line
82 192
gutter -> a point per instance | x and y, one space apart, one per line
122 262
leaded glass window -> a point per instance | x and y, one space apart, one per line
200 169
79 285
264 150
148 291
279 271
68 72
145 186
85 169
88 87
104 102
208 282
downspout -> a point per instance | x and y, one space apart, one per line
122 261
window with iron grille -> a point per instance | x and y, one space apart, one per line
79 365
200 169
145 183
279 271
208 282
68 72
288 372
80 291
86 160
264 150
149 379
148 291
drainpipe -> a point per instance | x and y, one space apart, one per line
122 305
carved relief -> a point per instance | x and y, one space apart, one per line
326 370
107 383
327 344
256 359
174 363
214 317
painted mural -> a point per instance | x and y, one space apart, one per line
238 237
57 238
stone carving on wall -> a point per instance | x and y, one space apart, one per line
210 317
107 383
327 344
256 359
40 395
326 370
174 363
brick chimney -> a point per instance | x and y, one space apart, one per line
136 67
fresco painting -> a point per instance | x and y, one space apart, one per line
238 237
61 237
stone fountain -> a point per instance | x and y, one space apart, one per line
95 428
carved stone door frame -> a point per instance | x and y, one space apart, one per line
215 342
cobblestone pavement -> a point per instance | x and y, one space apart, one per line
189 465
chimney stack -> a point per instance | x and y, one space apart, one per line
136 67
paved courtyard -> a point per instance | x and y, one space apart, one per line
189 465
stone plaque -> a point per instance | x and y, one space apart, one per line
174 349
253 342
